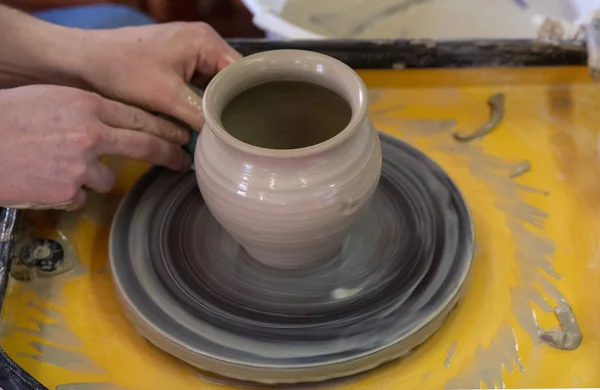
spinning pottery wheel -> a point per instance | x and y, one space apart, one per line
64 326
195 293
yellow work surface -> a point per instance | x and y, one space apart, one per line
536 248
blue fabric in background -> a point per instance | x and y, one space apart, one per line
96 16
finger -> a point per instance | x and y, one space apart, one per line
214 54
116 114
173 97
99 178
200 80
144 147
187 108
77 202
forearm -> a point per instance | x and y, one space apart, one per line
35 52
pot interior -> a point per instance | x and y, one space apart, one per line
286 115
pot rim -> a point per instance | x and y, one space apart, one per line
225 80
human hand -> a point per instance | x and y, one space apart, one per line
53 137
151 66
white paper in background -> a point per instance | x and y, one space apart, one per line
569 10
571 13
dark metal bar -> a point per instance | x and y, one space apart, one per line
400 54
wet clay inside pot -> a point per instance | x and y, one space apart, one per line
286 115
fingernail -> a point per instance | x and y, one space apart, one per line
233 58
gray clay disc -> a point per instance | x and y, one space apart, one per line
194 292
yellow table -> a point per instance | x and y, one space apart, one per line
537 248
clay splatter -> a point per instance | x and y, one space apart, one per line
56 332
534 253
64 358
496 104
451 352
520 169
343 293
425 127
568 337
489 362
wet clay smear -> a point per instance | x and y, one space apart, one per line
286 115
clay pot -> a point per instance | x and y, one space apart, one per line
288 157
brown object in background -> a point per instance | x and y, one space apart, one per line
229 17
169 10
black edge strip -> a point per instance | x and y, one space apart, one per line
409 54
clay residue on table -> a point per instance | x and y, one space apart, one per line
489 362
60 346
451 352
61 357
520 169
55 331
496 104
425 127
534 251
568 337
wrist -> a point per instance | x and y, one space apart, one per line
65 58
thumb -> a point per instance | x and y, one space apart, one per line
184 105
214 53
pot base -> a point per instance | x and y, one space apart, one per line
195 293
306 259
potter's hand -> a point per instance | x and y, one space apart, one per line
146 66
52 139
150 66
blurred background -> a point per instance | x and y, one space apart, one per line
230 18
321 19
